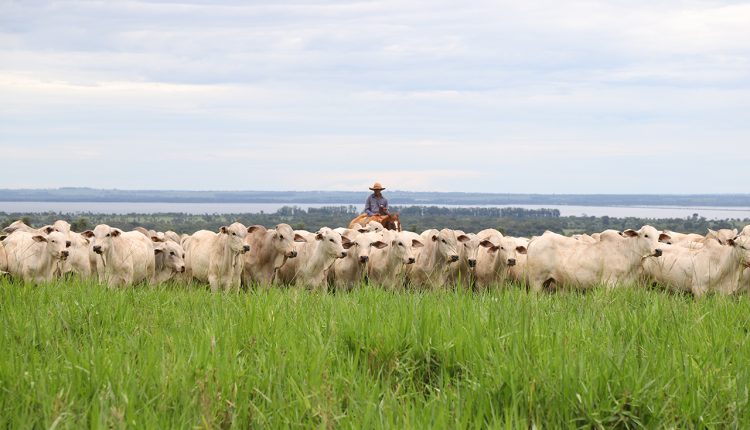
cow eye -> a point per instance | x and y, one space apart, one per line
171 253
331 240
183 255
400 244
646 235
281 237
444 241
107 234
502 247
234 234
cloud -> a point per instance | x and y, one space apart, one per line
485 96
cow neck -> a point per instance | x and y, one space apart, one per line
730 264
47 264
319 260
231 257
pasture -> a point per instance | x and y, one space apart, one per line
78 354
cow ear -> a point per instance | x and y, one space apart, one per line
299 238
158 251
434 238
48 229
348 245
2 237
345 239
39 238
664 237
735 232
486 244
521 249
116 232
630 233
463 238
318 236
223 229
493 248
254 228
88 234
67 244
378 244
416 244
156 239
732 242
362 230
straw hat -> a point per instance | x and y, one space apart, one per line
376 186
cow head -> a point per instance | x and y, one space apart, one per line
446 243
363 243
507 250
331 243
283 240
57 244
644 241
172 254
235 236
741 244
61 226
102 238
403 246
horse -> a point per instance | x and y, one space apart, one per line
390 221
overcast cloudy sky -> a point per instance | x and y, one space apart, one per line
497 96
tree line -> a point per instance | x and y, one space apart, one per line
510 221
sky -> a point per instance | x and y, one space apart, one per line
640 96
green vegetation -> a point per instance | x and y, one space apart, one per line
81 355
510 221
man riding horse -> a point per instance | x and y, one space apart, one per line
376 209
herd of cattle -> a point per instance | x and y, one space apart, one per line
343 258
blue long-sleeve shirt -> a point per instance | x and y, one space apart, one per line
373 204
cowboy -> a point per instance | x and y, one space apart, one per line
376 204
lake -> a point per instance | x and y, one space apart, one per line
219 208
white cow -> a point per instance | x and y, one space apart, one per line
432 268
463 272
169 261
496 259
711 268
35 257
3 256
217 258
270 251
314 258
387 266
121 258
722 235
79 260
349 271
613 260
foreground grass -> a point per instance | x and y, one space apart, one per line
76 355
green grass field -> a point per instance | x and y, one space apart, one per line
78 355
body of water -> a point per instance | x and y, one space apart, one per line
220 208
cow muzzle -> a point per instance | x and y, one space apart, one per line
411 260
291 254
657 253
511 262
342 255
472 263
364 259
64 255
182 269
245 248
454 258
98 249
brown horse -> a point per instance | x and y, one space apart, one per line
389 222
